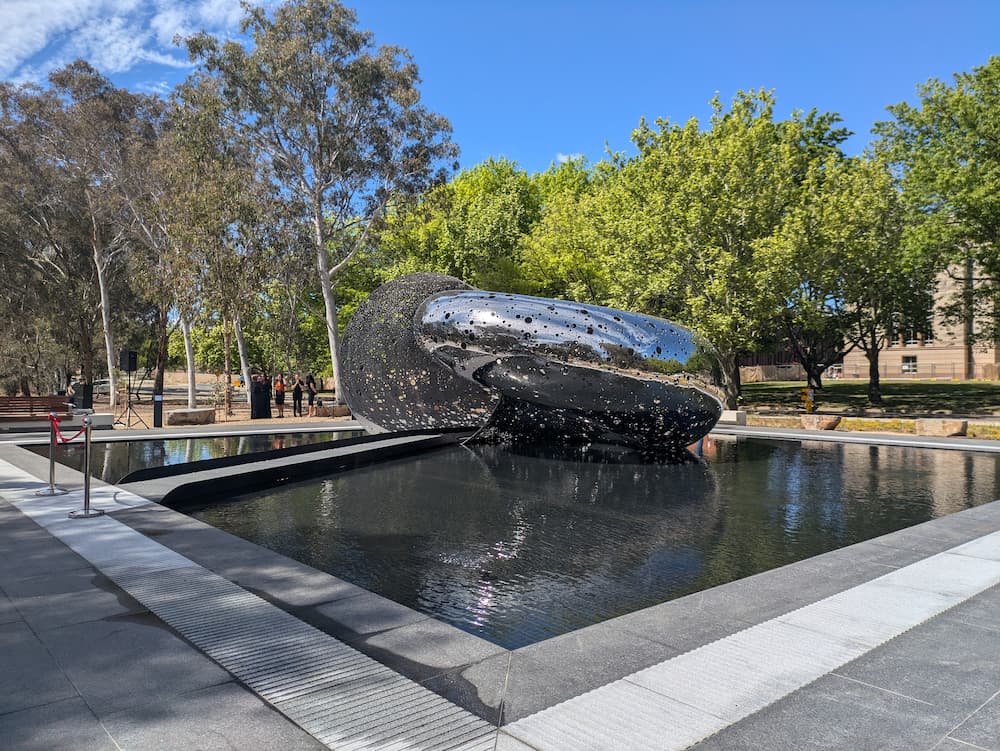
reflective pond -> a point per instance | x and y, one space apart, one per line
112 460
517 548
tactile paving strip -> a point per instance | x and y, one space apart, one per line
342 697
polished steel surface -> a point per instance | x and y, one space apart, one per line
567 331
576 372
426 351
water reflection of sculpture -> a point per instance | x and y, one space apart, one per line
546 546
427 351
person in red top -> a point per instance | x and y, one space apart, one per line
279 394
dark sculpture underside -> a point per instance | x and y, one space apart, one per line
428 351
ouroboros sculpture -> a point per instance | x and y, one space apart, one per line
428 351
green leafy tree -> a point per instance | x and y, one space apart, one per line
859 280
66 153
472 227
566 254
338 122
947 151
692 220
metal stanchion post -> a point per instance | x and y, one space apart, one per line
86 512
52 489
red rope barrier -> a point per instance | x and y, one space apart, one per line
60 438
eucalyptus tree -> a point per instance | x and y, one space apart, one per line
75 135
338 121
86 132
57 266
219 210
946 149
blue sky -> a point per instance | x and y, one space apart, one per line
538 81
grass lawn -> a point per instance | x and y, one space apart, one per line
898 397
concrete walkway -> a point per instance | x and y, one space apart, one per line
894 644
84 666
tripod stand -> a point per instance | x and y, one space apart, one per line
129 413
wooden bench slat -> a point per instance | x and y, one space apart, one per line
27 407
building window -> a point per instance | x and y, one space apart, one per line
908 333
909 364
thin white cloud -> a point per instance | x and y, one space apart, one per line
38 36
219 14
160 88
169 23
563 158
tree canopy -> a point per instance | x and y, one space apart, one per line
296 169
947 151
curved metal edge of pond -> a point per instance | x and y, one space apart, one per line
171 470
257 474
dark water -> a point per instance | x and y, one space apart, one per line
519 548
113 460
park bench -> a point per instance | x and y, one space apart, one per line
33 407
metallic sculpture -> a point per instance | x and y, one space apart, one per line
427 351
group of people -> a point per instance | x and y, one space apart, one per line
260 395
299 388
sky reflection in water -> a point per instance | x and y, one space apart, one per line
112 460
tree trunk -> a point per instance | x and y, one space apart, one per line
731 386
86 351
161 347
290 333
814 377
968 315
330 303
22 380
874 386
241 346
227 345
189 358
109 342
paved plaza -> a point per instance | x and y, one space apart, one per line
144 629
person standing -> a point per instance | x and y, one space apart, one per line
297 396
260 397
311 389
279 394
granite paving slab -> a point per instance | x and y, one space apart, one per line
8 613
230 718
59 582
427 648
93 654
30 676
49 611
836 714
982 729
66 725
982 611
943 662
948 744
